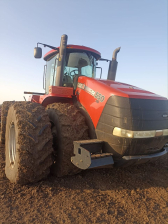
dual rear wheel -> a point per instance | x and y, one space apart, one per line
37 140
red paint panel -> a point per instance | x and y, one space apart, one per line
75 47
90 103
48 54
132 91
55 93
84 48
106 88
61 91
34 98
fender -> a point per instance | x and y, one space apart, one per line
92 133
56 94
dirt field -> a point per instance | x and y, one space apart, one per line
136 194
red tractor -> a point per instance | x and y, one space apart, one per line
81 122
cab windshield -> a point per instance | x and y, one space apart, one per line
77 64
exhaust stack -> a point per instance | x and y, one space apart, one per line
113 65
60 66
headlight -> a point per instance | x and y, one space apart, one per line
123 133
139 134
165 132
144 134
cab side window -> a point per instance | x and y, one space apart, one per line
51 72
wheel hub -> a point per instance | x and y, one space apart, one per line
12 144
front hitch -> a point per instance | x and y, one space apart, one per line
88 154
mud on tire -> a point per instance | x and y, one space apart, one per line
4 112
68 125
28 146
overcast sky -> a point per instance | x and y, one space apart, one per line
138 26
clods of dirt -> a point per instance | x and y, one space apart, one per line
137 194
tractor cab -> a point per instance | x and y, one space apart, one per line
78 61
66 63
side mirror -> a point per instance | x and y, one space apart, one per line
37 52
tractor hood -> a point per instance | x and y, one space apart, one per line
130 91
117 106
116 99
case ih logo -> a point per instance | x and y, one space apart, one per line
97 95
81 85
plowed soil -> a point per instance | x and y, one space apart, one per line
137 194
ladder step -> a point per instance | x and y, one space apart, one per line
101 161
89 154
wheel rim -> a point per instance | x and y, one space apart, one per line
12 145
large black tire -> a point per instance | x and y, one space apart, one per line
4 112
0 115
28 143
68 125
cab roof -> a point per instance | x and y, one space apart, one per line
74 48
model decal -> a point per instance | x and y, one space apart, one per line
81 85
90 91
96 95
